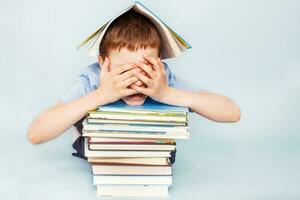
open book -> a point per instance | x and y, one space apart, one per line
172 44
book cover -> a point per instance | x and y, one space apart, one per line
172 46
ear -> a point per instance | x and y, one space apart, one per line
100 60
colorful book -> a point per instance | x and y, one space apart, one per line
138 117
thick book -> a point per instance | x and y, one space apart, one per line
132 190
122 153
133 147
137 117
172 44
132 161
97 140
131 180
136 134
134 122
131 127
126 169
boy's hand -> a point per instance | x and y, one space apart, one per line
115 84
157 86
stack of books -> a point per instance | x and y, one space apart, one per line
129 147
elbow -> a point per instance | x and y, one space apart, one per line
235 115
33 136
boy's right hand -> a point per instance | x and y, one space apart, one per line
115 84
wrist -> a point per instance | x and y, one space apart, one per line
178 97
99 97
167 95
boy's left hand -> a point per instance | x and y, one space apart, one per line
157 85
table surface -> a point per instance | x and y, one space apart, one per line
208 166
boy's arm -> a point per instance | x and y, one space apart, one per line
212 106
61 116
215 107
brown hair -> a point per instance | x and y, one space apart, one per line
132 31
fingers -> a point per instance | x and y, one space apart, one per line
129 73
139 83
123 68
162 67
154 62
141 90
128 92
129 81
147 69
144 78
105 65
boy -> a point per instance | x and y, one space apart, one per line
130 70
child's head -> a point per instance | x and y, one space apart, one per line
127 40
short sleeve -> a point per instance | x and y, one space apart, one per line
86 82
178 83
79 89
184 85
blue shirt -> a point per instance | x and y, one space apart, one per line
88 81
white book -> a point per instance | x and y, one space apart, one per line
108 153
124 169
132 180
130 127
142 147
132 190
132 140
144 135
136 160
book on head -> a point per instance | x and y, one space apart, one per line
172 44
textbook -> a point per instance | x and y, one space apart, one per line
137 117
133 147
172 44
98 140
152 112
124 153
131 180
136 134
116 121
130 127
127 169
130 160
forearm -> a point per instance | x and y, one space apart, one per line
212 106
56 120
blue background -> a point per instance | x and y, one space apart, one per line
245 49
